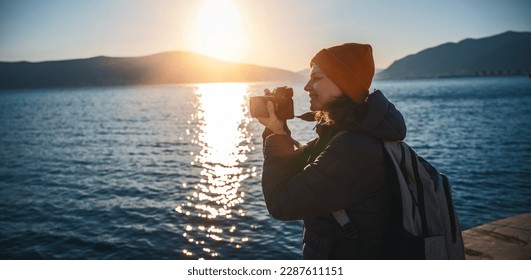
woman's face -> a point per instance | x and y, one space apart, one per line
321 89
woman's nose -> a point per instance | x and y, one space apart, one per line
308 87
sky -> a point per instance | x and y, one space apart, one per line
275 33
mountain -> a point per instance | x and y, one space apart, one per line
508 53
162 68
304 72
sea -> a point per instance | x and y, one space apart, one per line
174 171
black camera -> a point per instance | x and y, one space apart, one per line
282 98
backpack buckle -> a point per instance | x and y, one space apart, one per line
344 221
350 230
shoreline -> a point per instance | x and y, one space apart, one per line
504 239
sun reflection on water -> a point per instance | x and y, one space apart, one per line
221 133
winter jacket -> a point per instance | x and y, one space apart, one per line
349 172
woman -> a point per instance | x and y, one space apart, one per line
345 167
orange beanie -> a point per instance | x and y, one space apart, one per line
350 66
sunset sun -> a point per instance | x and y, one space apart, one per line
217 30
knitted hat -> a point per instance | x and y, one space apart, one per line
350 66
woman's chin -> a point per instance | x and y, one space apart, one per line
314 106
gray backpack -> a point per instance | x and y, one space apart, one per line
430 226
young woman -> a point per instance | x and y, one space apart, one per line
344 167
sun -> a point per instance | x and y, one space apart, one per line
217 30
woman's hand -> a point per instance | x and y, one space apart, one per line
276 125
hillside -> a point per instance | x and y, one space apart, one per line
163 68
508 53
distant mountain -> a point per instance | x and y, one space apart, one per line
163 68
304 72
508 53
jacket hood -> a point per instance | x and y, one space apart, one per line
381 119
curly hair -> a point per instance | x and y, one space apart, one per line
340 113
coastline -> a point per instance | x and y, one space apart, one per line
504 239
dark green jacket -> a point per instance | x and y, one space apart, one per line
349 172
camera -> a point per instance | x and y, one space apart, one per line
282 98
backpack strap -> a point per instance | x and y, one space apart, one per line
345 222
341 215
420 191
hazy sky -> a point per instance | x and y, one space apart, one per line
278 33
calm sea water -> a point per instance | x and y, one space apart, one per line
173 172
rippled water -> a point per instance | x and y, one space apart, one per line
173 172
